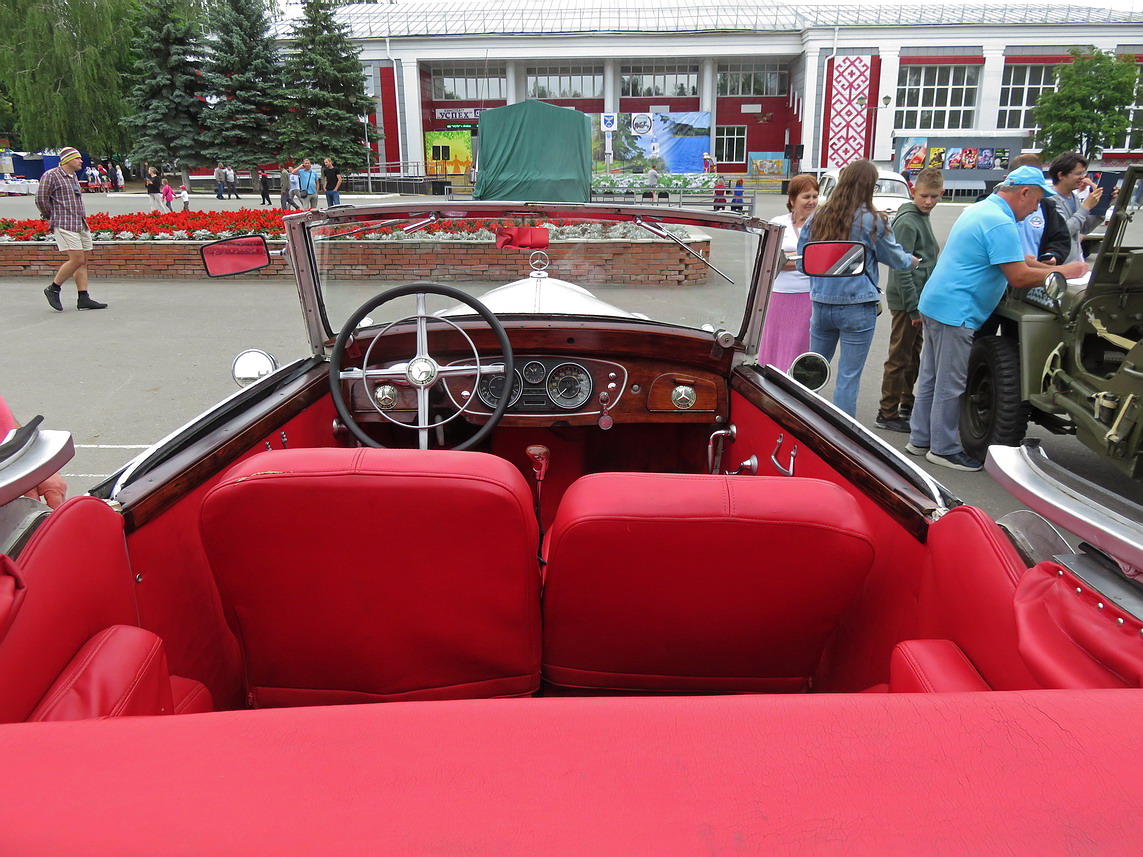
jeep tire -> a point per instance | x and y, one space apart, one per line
991 410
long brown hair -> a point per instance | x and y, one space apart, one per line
833 220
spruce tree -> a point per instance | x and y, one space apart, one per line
244 76
62 64
325 91
166 97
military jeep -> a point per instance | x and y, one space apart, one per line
1068 356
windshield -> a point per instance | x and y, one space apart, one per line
891 187
664 265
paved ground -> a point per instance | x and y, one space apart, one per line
122 378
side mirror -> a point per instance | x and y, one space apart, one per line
232 256
810 370
833 258
1056 286
252 365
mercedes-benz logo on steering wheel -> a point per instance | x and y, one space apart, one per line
538 260
421 372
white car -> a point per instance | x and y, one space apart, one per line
892 189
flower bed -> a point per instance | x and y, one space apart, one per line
150 246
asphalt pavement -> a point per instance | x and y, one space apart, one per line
120 379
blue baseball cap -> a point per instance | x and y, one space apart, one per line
1028 175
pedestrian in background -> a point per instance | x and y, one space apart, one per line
331 181
231 182
168 194
914 232
119 176
185 197
60 201
739 196
1069 178
264 186
154 189
308 179
786 333
845 308
219 180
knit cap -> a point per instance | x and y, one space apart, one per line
67 153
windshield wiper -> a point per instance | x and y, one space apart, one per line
656 229
408 227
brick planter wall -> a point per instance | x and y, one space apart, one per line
638 262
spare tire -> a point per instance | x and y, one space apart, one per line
992 410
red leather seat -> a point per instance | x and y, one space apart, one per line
646 587
363 575
69 645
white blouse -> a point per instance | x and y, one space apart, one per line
790 282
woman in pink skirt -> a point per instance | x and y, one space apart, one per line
786 333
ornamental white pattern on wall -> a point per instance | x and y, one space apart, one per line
848 121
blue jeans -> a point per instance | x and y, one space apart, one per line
935 422
332 197
218 189
853 325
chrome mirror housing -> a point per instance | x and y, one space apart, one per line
810 370
252 365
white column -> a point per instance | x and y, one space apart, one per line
512 87
988 95
811 110
611 73
884 115
413 144
707 80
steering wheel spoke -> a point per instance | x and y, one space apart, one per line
421 371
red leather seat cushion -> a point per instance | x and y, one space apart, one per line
932 666
355 575
698 583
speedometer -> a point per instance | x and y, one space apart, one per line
569 386
491 388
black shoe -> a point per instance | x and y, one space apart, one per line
85 302
905 411
956 461
892 424
53 296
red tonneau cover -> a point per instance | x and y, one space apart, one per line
1038 773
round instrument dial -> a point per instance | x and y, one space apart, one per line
491 388
534 372
569 386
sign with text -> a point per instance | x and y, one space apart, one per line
459 112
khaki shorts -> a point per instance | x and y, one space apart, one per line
66 239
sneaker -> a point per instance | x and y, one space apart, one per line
892 424
956 461
53 297
86 302
913 449
904 412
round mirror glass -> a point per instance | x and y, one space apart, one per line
810 370
252 365
1055 285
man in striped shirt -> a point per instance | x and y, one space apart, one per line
60 201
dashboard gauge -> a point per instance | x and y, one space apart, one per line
534 372
491 388
569 386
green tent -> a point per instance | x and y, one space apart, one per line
534 152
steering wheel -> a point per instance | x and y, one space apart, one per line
421 372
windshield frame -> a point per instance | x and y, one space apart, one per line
302 228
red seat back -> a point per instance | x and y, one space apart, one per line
361 575
698 583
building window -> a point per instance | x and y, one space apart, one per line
1133 138
1019 92
469 83
647 81
753 79
936 96
565 81
730 144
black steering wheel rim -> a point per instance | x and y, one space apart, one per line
423 287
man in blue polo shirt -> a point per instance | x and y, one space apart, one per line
982 256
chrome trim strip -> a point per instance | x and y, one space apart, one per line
1021 472
46 452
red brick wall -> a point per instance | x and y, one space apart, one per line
628 262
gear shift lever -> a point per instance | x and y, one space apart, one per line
540 456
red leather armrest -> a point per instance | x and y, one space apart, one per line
119 672
932 666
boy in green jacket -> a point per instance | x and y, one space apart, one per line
915 234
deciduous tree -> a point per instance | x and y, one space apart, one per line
1088 107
